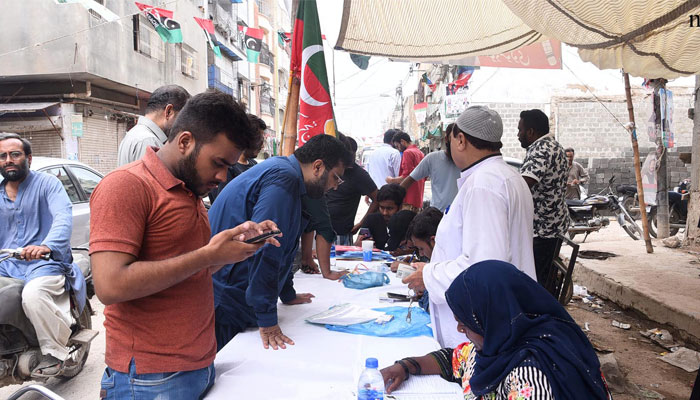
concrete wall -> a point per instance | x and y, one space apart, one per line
72 41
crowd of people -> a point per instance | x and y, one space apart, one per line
161 260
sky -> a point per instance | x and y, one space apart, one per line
363 99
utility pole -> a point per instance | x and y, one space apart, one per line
662 223
399 95
692 232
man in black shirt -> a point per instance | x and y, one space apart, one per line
247 159
388 227
343 202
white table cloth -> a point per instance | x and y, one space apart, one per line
322 364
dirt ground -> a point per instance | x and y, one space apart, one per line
636 355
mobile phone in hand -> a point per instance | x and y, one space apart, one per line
365 232
263 237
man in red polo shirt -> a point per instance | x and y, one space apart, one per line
152 256
410 158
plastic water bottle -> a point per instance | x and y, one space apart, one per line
332 255
371 384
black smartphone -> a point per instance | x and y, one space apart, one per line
398 296
365 232
262 237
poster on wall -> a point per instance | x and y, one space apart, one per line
76 125
454 105
71 145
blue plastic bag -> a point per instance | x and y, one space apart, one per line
365 280
397 327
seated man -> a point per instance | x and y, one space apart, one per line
246 293
387 227
35 213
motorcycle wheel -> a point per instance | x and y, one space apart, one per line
629 202
674 217
632 228
77 359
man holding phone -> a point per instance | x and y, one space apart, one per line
246 293
153 255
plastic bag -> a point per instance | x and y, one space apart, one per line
397 327
365 280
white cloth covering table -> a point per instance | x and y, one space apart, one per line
322 364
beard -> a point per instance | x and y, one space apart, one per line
317 189
16 175
187 173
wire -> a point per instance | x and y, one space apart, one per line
77 32
594 96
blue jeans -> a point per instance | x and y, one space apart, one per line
343 240
182 385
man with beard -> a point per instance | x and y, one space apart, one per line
246 293
152 129
153 255
35 213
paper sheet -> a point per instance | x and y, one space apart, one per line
424 384
345 314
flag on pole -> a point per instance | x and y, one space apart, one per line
463 75
253 42
428 82
163 22
208 28
309 65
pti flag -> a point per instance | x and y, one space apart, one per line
208 27
309 65
162 20
253 42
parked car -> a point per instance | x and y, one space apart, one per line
79 180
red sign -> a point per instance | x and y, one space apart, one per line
542 55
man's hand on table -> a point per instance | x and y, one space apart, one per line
301 298
393 377
273 336
30 253
415 280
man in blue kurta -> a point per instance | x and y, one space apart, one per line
35 213
246 293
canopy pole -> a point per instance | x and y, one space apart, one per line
291 111
637 165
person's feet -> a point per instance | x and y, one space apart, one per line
48 366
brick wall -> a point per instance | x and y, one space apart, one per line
510 114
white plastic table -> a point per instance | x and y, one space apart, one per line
322 364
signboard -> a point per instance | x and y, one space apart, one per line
541 55
420 111
454 105
76 125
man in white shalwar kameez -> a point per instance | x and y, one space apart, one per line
490 218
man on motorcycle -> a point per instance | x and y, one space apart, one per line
35 212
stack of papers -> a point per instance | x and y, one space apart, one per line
344 315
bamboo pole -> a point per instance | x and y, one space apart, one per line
291 111
637 165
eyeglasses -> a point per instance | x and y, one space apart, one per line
337 179
14 155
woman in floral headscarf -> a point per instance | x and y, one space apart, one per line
523 344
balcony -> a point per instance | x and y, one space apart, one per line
266 57
222 80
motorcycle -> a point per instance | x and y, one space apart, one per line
19 348
630 200
587 214
677 209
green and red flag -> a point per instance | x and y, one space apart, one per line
163 22
208 27
253 42
308 64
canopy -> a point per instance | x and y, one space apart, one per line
431 30
648 38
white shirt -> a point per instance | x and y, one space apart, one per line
383 162
143 135
490 219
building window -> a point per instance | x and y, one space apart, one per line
263 7
188 61
146 39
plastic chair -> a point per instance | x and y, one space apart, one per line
35 388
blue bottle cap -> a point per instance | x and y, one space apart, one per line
371 363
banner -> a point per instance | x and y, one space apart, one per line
308 64
208 26
542 55
162 20
455 105
420 110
